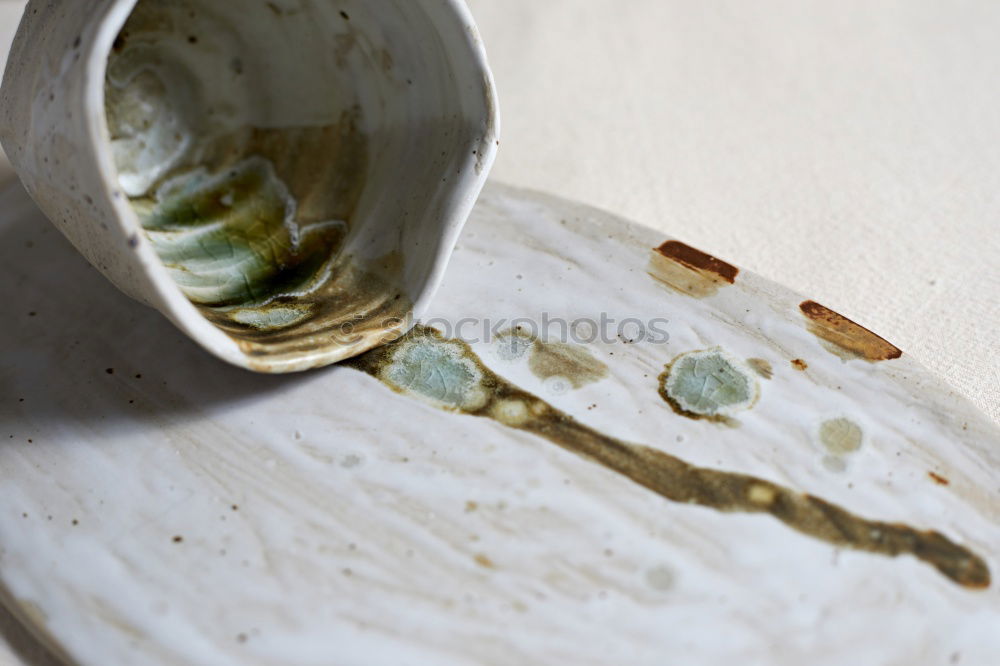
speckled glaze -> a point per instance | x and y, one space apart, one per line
179 511
266 174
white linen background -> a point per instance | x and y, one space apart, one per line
849 150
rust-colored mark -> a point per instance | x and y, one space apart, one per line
938 478
484 561
689 270
696 259
799 364
848 339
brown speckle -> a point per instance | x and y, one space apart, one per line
689 270
241 638
799 364
235 507
484 561
471 506
937 478
192 39
344 16
75 521
846 338
178 539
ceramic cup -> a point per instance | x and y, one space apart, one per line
283 179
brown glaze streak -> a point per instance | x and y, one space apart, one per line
697 260
679 481
849 340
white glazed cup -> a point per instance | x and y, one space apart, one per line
397 94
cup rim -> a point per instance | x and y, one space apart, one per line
167 295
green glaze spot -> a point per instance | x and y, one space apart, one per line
512 345
273 318
435 370
231 238
708 383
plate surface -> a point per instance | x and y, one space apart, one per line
160 507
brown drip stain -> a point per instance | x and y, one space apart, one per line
689 270
846 338
448 374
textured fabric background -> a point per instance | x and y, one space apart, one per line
850 150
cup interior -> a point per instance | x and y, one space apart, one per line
300 167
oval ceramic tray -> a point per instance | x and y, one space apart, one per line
735 474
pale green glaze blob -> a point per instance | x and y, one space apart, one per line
232 239
708 383
437 372
840 436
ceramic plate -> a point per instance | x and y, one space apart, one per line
686 463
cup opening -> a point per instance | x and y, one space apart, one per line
242 137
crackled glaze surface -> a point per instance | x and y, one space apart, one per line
185 512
